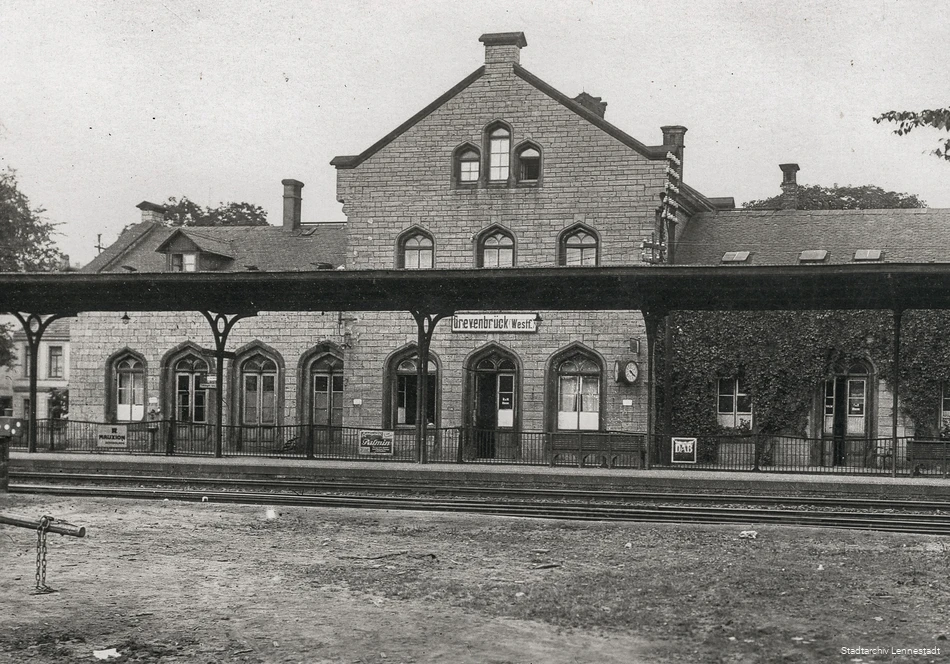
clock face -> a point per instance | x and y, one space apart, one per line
631 371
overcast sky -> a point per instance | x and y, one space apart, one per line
106 104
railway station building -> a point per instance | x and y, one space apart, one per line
501 171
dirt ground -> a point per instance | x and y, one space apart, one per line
200 582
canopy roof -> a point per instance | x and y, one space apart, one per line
657 289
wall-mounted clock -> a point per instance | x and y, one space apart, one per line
626 371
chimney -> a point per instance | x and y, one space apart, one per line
152 212
789 186
673 140
292 204
503 48
591 103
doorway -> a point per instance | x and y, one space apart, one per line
845 428
494 408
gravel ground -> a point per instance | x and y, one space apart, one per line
201 582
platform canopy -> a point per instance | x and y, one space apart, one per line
656 288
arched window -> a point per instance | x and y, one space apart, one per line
528 163
578 404
499 154
259 391
191 396
326 381
578 246
415 251
129 388
467 166
496 248
405 393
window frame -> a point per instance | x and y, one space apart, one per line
57 369
737 392
487 234
180 261
457 162
519 161
136 386
564 244
193 390
505 155
260 375
402 252
396 381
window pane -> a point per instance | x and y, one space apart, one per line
530 167
189 262
498 158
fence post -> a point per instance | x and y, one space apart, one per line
49 429
309 444
756 451
170 440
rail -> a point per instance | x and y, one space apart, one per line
468 445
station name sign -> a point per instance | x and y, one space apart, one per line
495 323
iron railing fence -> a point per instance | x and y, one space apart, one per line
612 449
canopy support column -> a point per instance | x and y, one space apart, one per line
896 360
221 325
34 325
651 320
425 326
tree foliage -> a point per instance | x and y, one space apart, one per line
185 212
907 121
26 237
785 357
867 197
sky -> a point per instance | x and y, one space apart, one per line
105 104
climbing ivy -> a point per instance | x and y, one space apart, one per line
785 357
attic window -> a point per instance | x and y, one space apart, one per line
735 257
813 256
867 255
185 262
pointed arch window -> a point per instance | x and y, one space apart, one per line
499 154
326 380
191 396
259 391
579 246
496 249
467 166
578 406
528 164
415 251
129 377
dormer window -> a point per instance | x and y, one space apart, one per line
185 262
813 256
499 154
867 255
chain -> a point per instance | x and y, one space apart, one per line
41 587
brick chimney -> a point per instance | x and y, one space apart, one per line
789 186
673 140
152 212
591 103
503 48
292 200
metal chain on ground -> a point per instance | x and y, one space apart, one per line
41 587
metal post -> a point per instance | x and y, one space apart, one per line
651 321
425 326
34 325
221 325
897 379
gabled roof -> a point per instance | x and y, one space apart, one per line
268 248
201 240
778 237
656 152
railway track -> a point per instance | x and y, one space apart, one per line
920 517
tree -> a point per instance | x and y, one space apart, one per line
867 197
185 212
26 237
26 244
938 118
